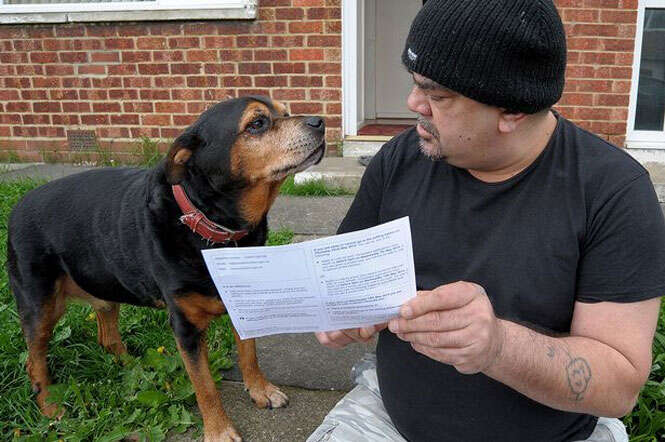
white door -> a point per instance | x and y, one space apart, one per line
393 82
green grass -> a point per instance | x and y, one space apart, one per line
147 153
311 188
146 394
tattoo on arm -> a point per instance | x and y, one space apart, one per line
579 376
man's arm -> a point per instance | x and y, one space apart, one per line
599 369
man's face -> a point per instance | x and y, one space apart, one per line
453 127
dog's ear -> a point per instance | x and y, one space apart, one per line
179 154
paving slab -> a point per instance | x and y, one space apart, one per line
10 172
293 423
306 215
299 360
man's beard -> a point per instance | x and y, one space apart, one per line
434 151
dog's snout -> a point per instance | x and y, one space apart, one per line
316 123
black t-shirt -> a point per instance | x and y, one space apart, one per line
582 223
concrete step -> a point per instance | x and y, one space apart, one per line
344 172
354 148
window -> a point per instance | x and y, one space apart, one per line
60 11
646 125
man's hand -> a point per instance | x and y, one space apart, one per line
341 338
453 324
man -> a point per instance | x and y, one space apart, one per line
539 248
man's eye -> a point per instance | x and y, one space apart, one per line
257 125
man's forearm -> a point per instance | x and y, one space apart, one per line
568 373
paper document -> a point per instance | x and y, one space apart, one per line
345 281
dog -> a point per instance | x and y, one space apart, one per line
128 235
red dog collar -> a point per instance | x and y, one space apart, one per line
200 224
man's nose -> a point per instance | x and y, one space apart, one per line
417 102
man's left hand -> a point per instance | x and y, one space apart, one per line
454 324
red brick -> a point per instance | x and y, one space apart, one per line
122 69
169 81
34 94
38 57
113 107
324 40
127 30
91 70
155 94
156 120
184 42
574 99
137 132
595 30
235 55
184 120
186 94
102 30
289 68
59 69
9 70
153 69
50 131
215 95
580 15
202 55
168 107
94 119
119 43
73 57
218 42
105 57
305 81
10 119
252 41
172 28
305 54
270 27
93 94
27 45
196 108
332 54
68 106
289 94
123 94
131 82
308 3
167 56
113 132
151 43
324 13
334 27
63 94
592 113
611 100
186 68
125 119
606 58
18 83
270 54
289 41
135 56
306 108
66 120
8 94
24 131
324 68
306 27
266 3
48 106
202 81
69 31
325 94
169 133
254 68
200 28
33 119
271 81
333 122
141 107
5 131
246 92
589 85
220 68
87 45
18 106
289 14
46 82
334 108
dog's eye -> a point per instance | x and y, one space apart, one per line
258 125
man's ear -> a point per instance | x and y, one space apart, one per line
510 120
179 153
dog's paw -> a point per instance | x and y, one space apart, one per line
228 435
49 409
268 397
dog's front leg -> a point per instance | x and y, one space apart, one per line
263 393
190 320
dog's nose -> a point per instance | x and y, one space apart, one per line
316 123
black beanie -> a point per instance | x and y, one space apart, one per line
504 53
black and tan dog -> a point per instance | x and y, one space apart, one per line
114 236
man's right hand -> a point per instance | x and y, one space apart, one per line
341 338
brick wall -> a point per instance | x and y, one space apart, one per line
601 41
126 80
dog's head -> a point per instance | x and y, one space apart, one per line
249 143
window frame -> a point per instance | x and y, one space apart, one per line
641 139
123 11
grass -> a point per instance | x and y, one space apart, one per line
145 395
311 188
